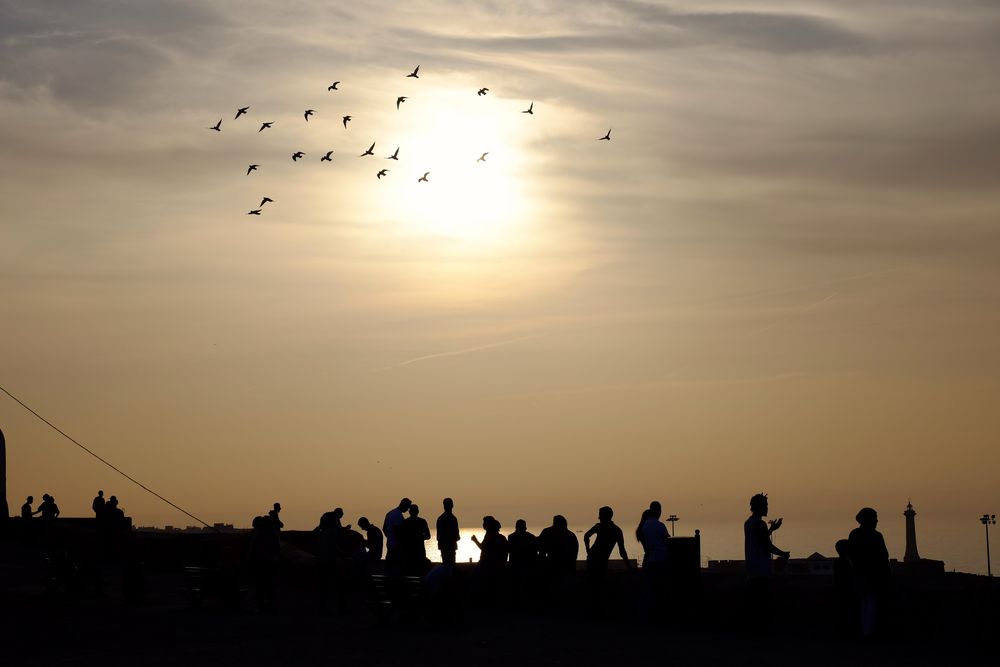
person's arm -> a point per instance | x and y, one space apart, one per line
426 533
586 538
621 550
475 540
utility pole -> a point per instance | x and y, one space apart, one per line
4 508
672 519
986 520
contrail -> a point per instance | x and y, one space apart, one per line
800 309
456 353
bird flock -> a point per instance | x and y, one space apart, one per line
370 152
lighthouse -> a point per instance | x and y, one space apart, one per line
911 555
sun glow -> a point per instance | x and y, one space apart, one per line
465 198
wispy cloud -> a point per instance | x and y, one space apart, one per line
463 351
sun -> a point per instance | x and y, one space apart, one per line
472 154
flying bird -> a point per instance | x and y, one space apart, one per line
482 91
308 113
296 155
264 126
530 109
252 167
413 74
333 86
482 158
241 111
217 127
265 200
606 137
256 211
395 155
346 119
370 151
381 173
423 179
400 100
327 158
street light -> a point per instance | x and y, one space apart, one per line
673 518
986 520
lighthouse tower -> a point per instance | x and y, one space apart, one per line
911 555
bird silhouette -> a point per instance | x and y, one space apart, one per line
423 179
395 155
346 120
333 86
241 111
256 211
400 100
606 137
265 200
296 155
264 126
413 74
381 173
252 167
482 158
217 127
308 112
482 91
530 109
327 158
370 151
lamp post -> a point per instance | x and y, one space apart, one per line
672 519
986 520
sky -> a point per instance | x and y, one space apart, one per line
781 274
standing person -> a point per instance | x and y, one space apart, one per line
492 559
26 511
390 527
523 557
263 558
607 536
98 504
447 533
758 549
413 533
654 506
275 519
558 549
654 561
871 568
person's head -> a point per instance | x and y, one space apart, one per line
261 522
404 504
520 526
113 501
100 494
31 499
414 510
46 496
843 548
449 504
867 518
338 513
490 524
363 523
277 507
559 521
655 509
758 504
605 513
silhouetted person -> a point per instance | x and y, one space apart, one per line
523 558
373 540
558 546
758 550
112 515
492 558
447 533
275 518
390 527
607 535
654 560
98 504
848 607
26 511
654 506
870 559
413 533
263 561
48 508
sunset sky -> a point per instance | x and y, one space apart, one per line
782 273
